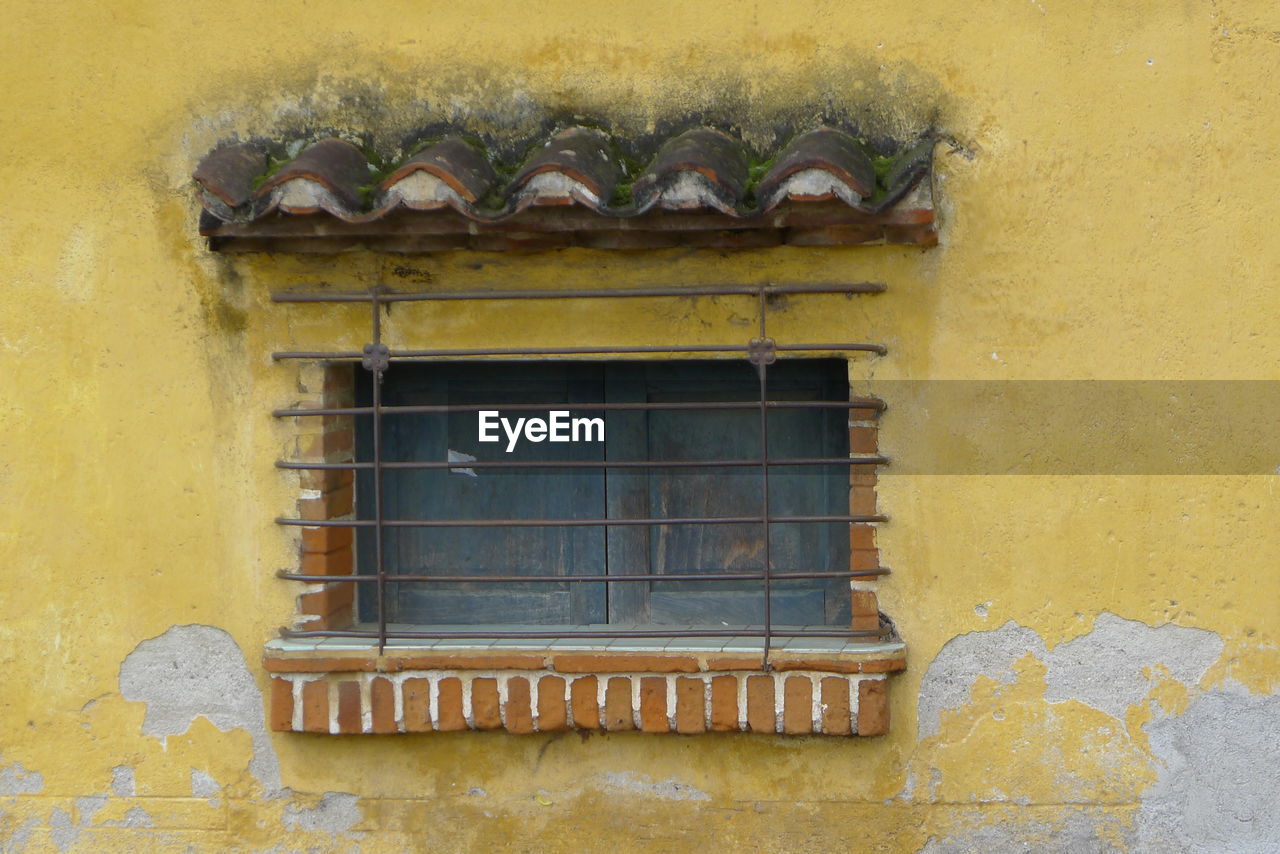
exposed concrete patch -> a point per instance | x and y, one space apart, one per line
1104 668
949 680
87 807
17 780
123 783
640 784
199 671
18 840
62 830
1078 834
204 786
1219 789
336 813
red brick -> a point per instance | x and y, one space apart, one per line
322 540
330 505
835 706
552 715
862 440
464 662
691 708
320 665
866 610
416 694
734 662
281 705
336 562
862 537
617 704
519 710
862 501
625 664
724 703
873 707
797 706
586 707
324 602
325 480
349 716
864 559
486 712
760 704
315 707
653 704
382 705
449 705
327 445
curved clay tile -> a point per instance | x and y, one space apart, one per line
699 168
820 165
906 171
575 164
450 172
326 176
226 177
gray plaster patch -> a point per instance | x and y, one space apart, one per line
640 784
16 780
87 807
204 786
18 840
123 784
1219 779
199 671
1104 668
948 684
336 813
61 829
1076 834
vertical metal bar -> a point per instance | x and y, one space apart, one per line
762 370
378 365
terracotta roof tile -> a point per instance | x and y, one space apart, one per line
449 172
227 174
575 165
821 190
700 168
326 176
818 165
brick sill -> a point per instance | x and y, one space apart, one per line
337 686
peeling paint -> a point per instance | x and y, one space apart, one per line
199 671
336 813
17 780
630 782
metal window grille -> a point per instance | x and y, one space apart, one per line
761 351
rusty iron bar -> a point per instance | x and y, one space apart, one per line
502 635
585 464
566 523
401 355
376 362
767 290
458 579
618 406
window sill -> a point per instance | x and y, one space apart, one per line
822 686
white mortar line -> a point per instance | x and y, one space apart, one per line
779 700
742 701
296 687
635 699
533 697
671 702
568 706
815 695
366 702
332 695
466 700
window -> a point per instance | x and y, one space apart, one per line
710 565
593 491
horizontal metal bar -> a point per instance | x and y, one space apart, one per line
568 523
456 579
588 293
584 464
397 355
613 406
674 633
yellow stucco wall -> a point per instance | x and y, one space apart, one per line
1107 182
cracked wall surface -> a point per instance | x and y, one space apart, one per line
1093 659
